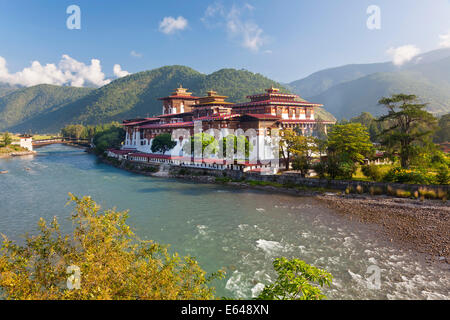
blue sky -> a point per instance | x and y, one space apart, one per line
284 39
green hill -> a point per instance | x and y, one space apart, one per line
137 95
7 88
362 95
349 90
23 104
321 81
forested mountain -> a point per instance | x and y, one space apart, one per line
27 103
7 88
321 81
362 95
137 95
349 90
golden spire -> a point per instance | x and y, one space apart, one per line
181 91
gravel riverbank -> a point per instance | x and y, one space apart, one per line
420 225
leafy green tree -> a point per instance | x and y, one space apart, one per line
304 151
73 131
370 122
409 126
208 143
443 133
101 259
350 139
237 142
372 171
289 140
163 143
296 281
340 165
110 138
320 131
7 139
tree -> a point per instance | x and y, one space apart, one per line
163 143
289 138
109 138
7 139
101 259
443 133
237 142
303 151
73 131
351 139
368 120
320 129
409 126
208 143
296 281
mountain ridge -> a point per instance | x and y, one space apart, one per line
137 95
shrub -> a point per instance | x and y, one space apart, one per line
296 281
400 175
112 261
442 194
398 192
372 171
359 189
320 169
443 175
223 180
402 193
289 184
427 193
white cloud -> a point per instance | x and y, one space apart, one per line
170 25
234 20
118 72
403 54
135 54
445 40
67 72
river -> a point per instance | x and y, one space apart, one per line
239 230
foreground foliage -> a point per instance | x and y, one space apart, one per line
296 281
103 259
113 262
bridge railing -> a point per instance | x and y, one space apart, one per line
59 140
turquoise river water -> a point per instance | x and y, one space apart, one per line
240 230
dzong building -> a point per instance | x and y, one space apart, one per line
213 114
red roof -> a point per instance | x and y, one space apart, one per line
277 102
261 116
167 125
218 117
174 114
138 121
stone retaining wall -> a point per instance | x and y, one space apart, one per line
286 179
295 179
